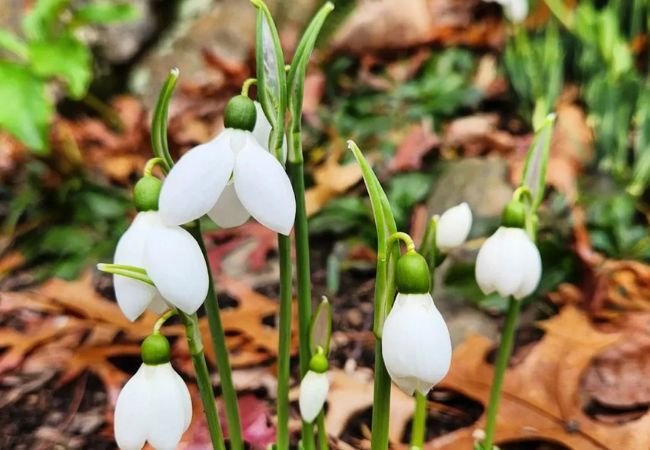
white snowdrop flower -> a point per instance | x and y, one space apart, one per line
313 393
154 406
415 345
453 227
171 258
230 178
508 263
515 10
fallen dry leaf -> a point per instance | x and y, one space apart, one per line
420 140
331 179
542 394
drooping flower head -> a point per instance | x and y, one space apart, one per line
230 178
453 227
169 255
416 346
314 387
509 262
155 405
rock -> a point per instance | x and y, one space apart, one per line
482 183
225 29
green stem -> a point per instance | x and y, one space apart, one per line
303 274
505 350
401 236
284 345
159 120
419 422
380 402
323 444
149 166
229 393
247 85
195 344
162 319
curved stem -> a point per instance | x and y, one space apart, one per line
159 120
401 236
195 344
284 345
247 85
505 350
162 319
220 347
153 162
418 429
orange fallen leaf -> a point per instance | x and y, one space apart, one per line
542 394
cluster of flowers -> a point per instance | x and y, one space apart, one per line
230 178
233 177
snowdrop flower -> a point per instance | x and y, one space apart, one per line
170 257
515 10
508 263
453 227
314 387
230 178
155 404
416 346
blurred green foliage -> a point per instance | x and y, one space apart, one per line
48 50
64 225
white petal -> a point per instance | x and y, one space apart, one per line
175 264
532 261
264 188
229 212
131 413
167 407
515 10
158 304
184 394
510 268
262 131
487 263
196 181
313 393
133 296
453 227
416 346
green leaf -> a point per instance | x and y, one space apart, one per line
537 161
65 58
10 42
40 22
271 77
27 110
104 12
296 78
321 328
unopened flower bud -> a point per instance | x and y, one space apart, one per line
453 227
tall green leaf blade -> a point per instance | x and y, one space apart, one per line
321 328
28 110
537 161
271 77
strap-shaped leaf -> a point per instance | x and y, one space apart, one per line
321 328
385 224
296 78
537 161
271 77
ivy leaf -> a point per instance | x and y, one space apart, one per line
65 58
39 23
104 12
28 111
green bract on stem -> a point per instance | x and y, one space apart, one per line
384 294
135 273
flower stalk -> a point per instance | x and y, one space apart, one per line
195 345
217 334
284 345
